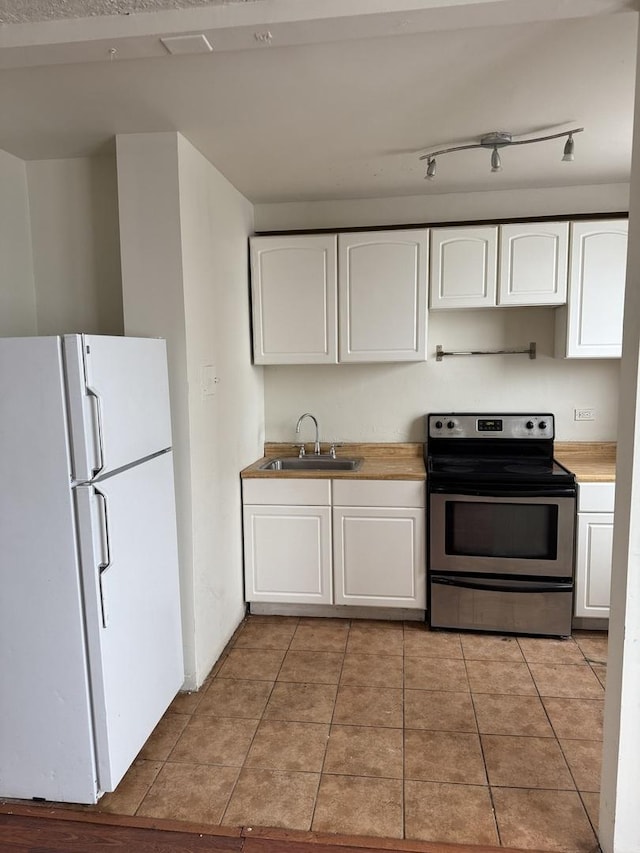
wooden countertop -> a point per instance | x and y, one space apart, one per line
395 461
590 461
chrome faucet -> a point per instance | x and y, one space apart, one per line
316 446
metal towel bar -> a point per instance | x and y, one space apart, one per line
531 352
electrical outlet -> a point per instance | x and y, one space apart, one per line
584 414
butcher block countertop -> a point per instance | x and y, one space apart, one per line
590 461
395 461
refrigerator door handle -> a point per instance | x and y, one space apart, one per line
99 421
106 563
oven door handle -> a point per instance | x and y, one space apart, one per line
490 492
521 587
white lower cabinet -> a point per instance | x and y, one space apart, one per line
593 549
287 541
369 550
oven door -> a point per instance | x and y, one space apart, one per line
504 532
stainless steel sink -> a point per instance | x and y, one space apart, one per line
312 462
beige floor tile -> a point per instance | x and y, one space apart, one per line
420 642
231 697
320 637
591 802
584 758
375 641
566 680
439 710
593 647
368 706
372 670
578 719
511 715
443 757
600 671
458 814
303 703
132 789
543 820
546 650
164 737
190 792
364 751
279 745
484 647
505 677
252 664
272 798
385 624
265 635
359 806
525 762
186 703
311 667
212 740
435 674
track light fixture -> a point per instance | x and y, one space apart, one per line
501 139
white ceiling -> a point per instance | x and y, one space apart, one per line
328 99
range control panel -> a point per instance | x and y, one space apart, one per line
465 425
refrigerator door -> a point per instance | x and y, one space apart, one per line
46 738
118 397
128 551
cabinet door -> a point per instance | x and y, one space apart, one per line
595 303
463 267
288 553
593 564
533 263
294 299
383 295
379 556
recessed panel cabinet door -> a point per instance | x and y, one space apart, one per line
463 267
595 303
593 564
383 295
294 299
533 263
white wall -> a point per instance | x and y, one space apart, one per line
74 223
184 236
226 427
388 402
17 290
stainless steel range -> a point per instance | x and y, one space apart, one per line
501 518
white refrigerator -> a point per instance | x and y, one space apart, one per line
90 631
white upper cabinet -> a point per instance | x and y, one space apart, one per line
591 325
383 295
294 293
463 267
533 263
381 279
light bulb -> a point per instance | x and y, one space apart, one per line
567 154
431 169
496 164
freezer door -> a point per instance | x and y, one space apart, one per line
118 398
129 560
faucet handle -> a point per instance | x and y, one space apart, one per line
332 448
300 450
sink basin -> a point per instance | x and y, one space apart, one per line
312 463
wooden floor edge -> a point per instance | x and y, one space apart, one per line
257 833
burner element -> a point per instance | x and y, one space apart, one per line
527 468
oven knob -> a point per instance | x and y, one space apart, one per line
529 424
450 424
438 424
542 424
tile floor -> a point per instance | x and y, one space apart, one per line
385 729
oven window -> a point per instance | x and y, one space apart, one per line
526 531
